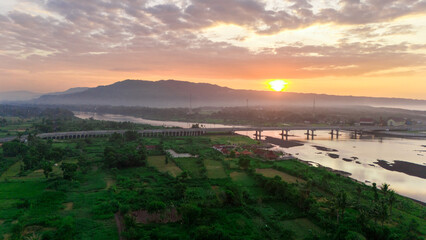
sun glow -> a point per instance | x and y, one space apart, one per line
277 85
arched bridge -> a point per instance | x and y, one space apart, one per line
310 131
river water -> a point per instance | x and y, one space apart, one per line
357 156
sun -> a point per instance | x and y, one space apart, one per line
277 85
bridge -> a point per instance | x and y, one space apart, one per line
334 131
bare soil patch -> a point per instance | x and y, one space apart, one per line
109 183
166 216
269 172
68 206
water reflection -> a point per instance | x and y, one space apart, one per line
359 155
123 118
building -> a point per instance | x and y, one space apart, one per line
366 122
243 153
266 154
396 122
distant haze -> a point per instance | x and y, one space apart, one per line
18 96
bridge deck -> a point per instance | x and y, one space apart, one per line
199 131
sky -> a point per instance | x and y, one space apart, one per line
341 47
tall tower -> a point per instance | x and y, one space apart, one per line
190 103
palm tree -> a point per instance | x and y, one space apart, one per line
376 195
385 188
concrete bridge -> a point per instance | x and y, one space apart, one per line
310 131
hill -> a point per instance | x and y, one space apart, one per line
172 93
70 91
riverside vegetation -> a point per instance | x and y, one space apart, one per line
128 186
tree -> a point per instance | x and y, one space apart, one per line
183 176
83 163
391 200
340 203
69 170
359 191
47 168
130 136
385 188
124 156
244 162
156 206
180 189
209 233
381 211
14 148
376 195
190 213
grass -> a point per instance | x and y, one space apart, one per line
214 169
242 179
302 227
159 162
190 165
12 171
11 193
92 199
271 173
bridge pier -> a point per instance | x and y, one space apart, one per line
258 134
284 134
312 134
358 133
332 133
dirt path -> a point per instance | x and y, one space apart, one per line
109 183
120 224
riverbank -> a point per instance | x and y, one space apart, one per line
403 134
282 143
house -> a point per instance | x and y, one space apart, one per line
243 153
151 147
224 149
267 154
366 122
396 122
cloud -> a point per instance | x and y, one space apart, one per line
354 38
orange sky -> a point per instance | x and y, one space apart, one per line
336 47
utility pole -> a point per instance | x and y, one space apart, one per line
313 110
190 103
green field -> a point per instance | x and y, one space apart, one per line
219 200
51 204
271 173
159 162
214 169
302 227
242 179
190 165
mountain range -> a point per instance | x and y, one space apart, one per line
172 93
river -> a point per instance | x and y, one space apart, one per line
357 156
